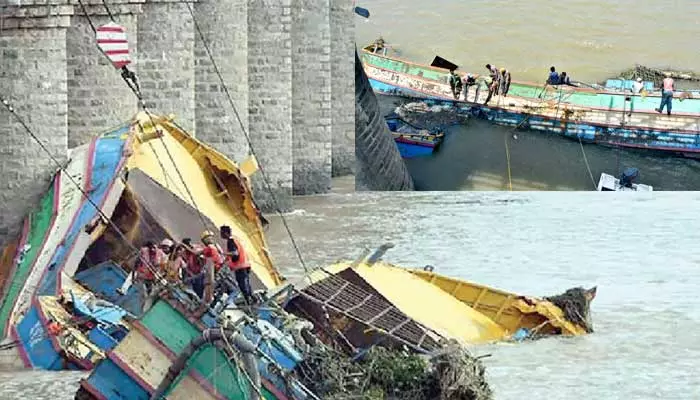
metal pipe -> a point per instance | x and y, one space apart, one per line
211 336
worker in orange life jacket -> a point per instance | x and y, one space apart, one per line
238 263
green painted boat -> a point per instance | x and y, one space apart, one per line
576 96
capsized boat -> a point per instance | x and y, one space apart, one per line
70 300
363 302
65 302
626 182
413 141
546 108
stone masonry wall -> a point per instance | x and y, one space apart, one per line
379 164
98 98
33 79
342 23
166 65
224 24
269 101
311 96
298 118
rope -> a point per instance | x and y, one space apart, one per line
77 185
129 78
247 137
585 159
510 180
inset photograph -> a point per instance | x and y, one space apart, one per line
491 97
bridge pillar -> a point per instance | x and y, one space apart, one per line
270 98
311 96
33 79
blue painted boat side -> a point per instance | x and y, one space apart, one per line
412 150
36 342
644 138
104 280
113 383
106 158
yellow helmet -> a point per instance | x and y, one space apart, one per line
503 70
207 234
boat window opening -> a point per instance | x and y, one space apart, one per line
136 224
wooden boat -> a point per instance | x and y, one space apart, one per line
411 140
625 183
612 96
362 302
615 125
63 307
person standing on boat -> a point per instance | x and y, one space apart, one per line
553 76
637 86
668 86
195 267
213 260
468 81
238 263
455 84
151 260
505 81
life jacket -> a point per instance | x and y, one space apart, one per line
235 263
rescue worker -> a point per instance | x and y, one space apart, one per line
176 264
553 78
505 81
468 81
195 267
238 263
637 86
495 77
668 86
564 79
493 89
455 84
213 260
150 258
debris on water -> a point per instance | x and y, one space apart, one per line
420 113
394 374
576 305
657 75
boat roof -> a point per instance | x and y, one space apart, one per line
455 320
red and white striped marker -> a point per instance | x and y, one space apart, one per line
112 41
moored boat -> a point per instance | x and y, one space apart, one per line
626 182
413 141
615 95
623 126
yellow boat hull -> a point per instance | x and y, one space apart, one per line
451 308
508 310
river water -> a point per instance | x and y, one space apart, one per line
639 251
590 40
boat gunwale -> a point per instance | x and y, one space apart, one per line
107 194
13 270
476 75
497 108
85 384
83 199
172 356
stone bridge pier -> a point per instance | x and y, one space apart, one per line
287 65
